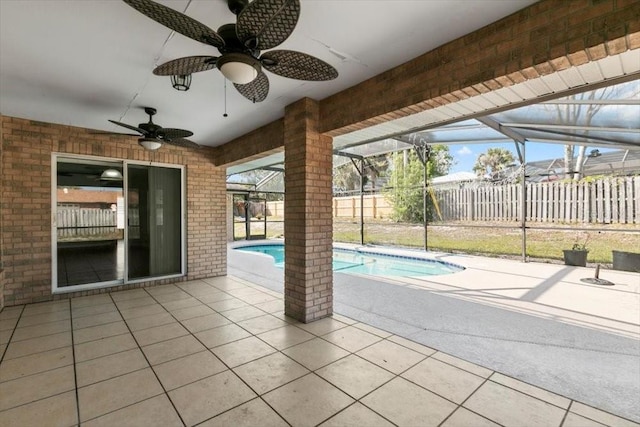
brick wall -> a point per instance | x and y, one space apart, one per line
25 213
254 145
308 276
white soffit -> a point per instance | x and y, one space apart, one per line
593 72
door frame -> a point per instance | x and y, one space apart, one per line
55 157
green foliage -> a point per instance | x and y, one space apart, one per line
405 186
494 160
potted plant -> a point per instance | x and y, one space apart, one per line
577 255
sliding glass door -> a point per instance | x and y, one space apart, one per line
155 221
115 222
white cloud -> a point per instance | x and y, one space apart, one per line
464 151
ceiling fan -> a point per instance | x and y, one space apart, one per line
153 136
260 25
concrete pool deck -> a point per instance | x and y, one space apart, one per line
535 322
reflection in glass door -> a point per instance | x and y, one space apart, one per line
155 221
89 222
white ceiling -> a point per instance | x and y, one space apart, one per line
82 62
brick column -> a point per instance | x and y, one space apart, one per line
308 275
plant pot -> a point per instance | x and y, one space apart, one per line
576 258
626 261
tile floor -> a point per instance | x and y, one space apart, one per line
220 352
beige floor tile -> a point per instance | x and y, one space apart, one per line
373 330
251 414
222 335
160 333
391 356
288 336
315 354
204 399
157 412
575 420
173 296
443 379
38 319
5 336
244 291
465 418
35 363
106 367
107 396
242 351
13 312
202 323
175 348
227 304
96 320
242 313
274 306
127 304
98 332
344 319
224 283
45 307
307 401
463 364
509 407
355 376
181 303
269 372
162 289
59 410
600 416
8 325
406 404
140 323
185 370
104 347
215 297
422 349
257 298
351 338
323 326
531 390
37 345
90 300
147 310
191 312
130 294
261 324
45 329
36 387
92 310
356 415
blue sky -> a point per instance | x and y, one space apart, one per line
465 155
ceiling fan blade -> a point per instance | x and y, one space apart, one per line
257 90
297 65
99 132
264 24
181 142
168 134
186 65
177 21
124 125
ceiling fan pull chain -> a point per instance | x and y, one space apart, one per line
225 99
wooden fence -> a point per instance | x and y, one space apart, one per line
85 217
604 201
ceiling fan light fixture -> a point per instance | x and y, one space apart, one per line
110 175
150 143
238 68
181 82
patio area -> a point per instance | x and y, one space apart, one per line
220 352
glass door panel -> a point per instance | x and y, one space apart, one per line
154 221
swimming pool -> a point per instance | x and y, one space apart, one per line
355 261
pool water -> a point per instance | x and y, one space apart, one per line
375 264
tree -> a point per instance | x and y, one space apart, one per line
347 178
494 160
405 187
